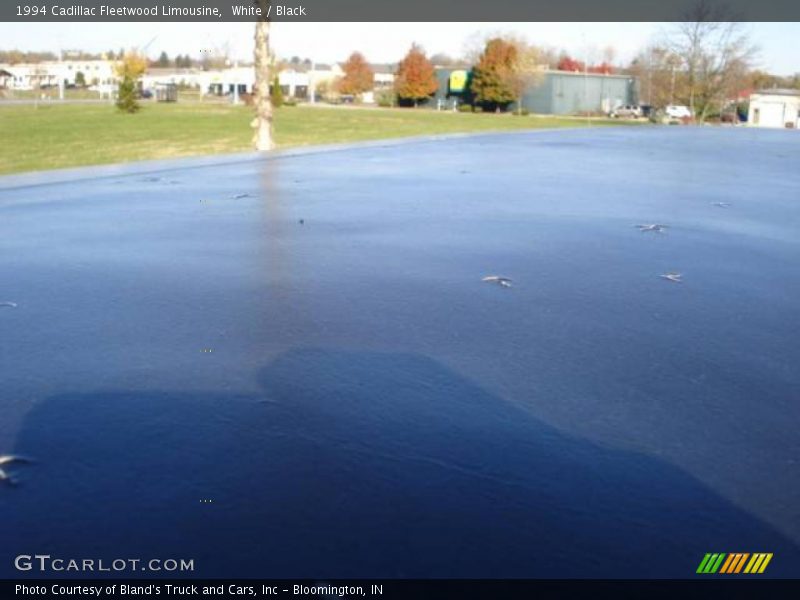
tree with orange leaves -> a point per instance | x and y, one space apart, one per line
358 76
415 79
566 63
492 76
603 69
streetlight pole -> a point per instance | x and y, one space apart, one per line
235 82
61 75
312 88
672 85
586 78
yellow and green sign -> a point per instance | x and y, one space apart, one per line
458 81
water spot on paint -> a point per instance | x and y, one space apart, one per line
498 280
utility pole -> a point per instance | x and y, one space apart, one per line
586 91
312 88
235 82
586 78
672 85
61 75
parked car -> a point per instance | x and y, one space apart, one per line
629 111
677 111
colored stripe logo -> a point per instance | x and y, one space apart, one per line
734 563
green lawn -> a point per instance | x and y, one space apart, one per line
49 94
57 136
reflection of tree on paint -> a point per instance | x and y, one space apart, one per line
358 76
490 76
603 69
276 93
458 81
565 63
507 67
715 53
129 69
416 79
262 123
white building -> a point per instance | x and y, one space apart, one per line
183 77
31 76
297 81
775 108
24 76
294 81
383 76
5 77
95 72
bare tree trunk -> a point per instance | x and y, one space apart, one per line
262 123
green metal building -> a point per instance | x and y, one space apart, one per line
557 92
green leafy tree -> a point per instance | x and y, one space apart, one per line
276 93
129 70
127 96
492 78
415 79
163 60
80 79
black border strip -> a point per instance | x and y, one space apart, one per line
391 10
440 589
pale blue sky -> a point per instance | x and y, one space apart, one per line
380 42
